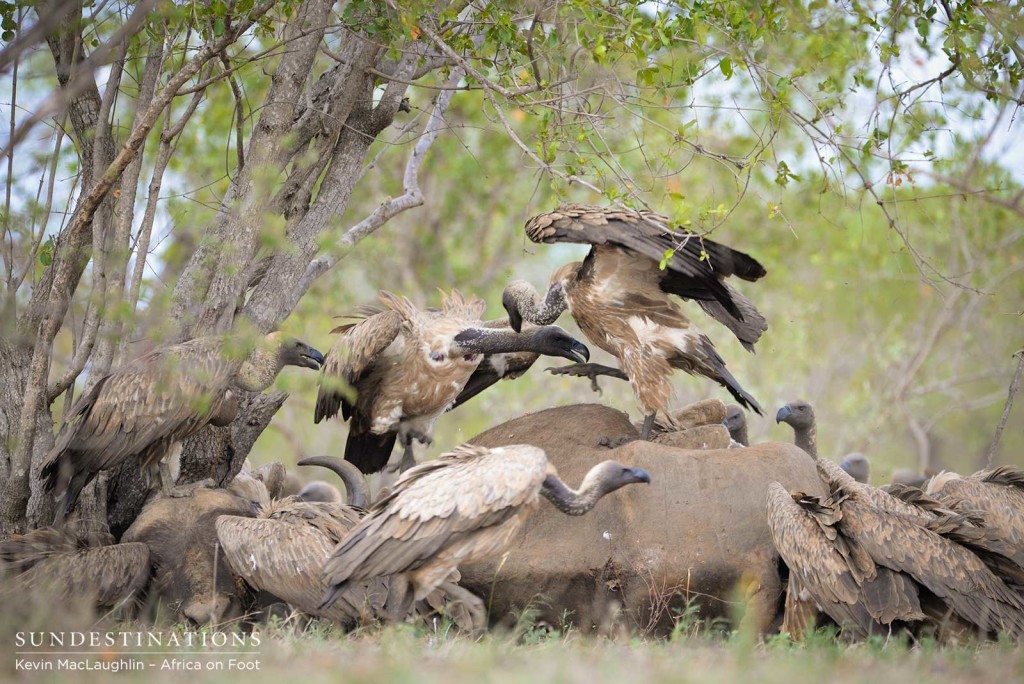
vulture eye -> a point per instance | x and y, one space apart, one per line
437 357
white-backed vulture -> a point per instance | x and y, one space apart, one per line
858 466
74 566
931 555
145 408
736 422
283 550
1003 558
839 575
621 298
461 508
998 495
407 367
800 416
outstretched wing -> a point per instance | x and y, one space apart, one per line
351 356
696 268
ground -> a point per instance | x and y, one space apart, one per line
435 655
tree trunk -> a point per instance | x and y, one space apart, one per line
215 453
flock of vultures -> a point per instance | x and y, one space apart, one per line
944 557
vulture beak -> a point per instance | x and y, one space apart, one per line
578 352
307 357
638 475
515 319
783 414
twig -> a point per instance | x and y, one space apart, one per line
1014 388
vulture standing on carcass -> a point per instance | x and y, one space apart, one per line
800 416
75 565
736 422
407 367
461 508
145 408
621 298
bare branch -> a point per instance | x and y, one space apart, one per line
387 210
993 447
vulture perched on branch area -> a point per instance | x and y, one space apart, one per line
621 298
145 408
406 367
461 508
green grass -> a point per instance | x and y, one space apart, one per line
436 654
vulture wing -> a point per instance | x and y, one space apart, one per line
696 268
948 570
104 574
999 502
817 562
283 553
456 505
351 356
493 368
140 409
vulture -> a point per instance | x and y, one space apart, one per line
833 569
407 367
997 495
800 416
463 507
319 491
858 466
736 422
74 565
282 550
145 408
620 295
1004 559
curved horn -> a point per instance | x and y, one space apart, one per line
357 492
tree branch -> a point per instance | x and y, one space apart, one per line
993 447
387 210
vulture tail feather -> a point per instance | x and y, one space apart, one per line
369 452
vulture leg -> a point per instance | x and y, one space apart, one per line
400 599
406 435
589 370
645 433
472 603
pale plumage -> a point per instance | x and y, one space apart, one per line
622 299
461 508
144 408
283 550
997 495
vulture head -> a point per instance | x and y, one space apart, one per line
602 479
292 352
612 475
550 340
798 414
858 467
736 423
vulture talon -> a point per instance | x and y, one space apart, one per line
589 370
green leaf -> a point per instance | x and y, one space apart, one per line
726 66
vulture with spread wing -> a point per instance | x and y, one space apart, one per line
406 367
145 408
463 507
622 299
997 495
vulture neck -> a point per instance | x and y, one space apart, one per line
532 309
740 435
574 502
807 439
259 370
500 341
